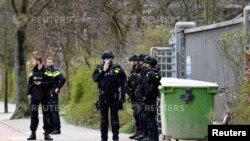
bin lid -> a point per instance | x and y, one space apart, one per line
175 82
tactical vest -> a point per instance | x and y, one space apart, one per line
155 81
111 81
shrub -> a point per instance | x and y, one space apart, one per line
84 93
242 111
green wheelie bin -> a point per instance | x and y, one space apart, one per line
186 106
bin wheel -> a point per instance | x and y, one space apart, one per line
206 139
168 138
163 137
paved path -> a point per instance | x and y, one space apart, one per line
9 134
18 130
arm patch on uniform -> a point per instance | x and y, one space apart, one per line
31 74
48 73
117 70
56 73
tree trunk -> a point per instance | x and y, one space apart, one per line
67 77
5 73
22 106
213 10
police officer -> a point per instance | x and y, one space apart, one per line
140 94
39 84
110 77
151 82
59 81
132 85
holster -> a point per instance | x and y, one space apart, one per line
97 104
138 92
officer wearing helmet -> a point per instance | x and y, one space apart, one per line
133 80
139 92
151 82
110 78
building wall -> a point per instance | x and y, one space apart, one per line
207 63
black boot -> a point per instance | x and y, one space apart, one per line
56 132
151 139
137 133
32 136
156 139
47 137
147 139
140 137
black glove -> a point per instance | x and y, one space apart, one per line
97 104
122 100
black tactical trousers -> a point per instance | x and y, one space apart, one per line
150 117
136 113
107 104
34 105
54 113
142 119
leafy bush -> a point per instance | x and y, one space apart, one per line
233 46
242 111
153 36
84 93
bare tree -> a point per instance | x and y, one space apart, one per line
5 31
5 72
23 14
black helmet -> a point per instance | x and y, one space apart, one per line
152 61
133 58
107 54
141 57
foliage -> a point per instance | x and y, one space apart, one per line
129 128
154 36
141 40
82 104
242 111
211 115
126 116
233 47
